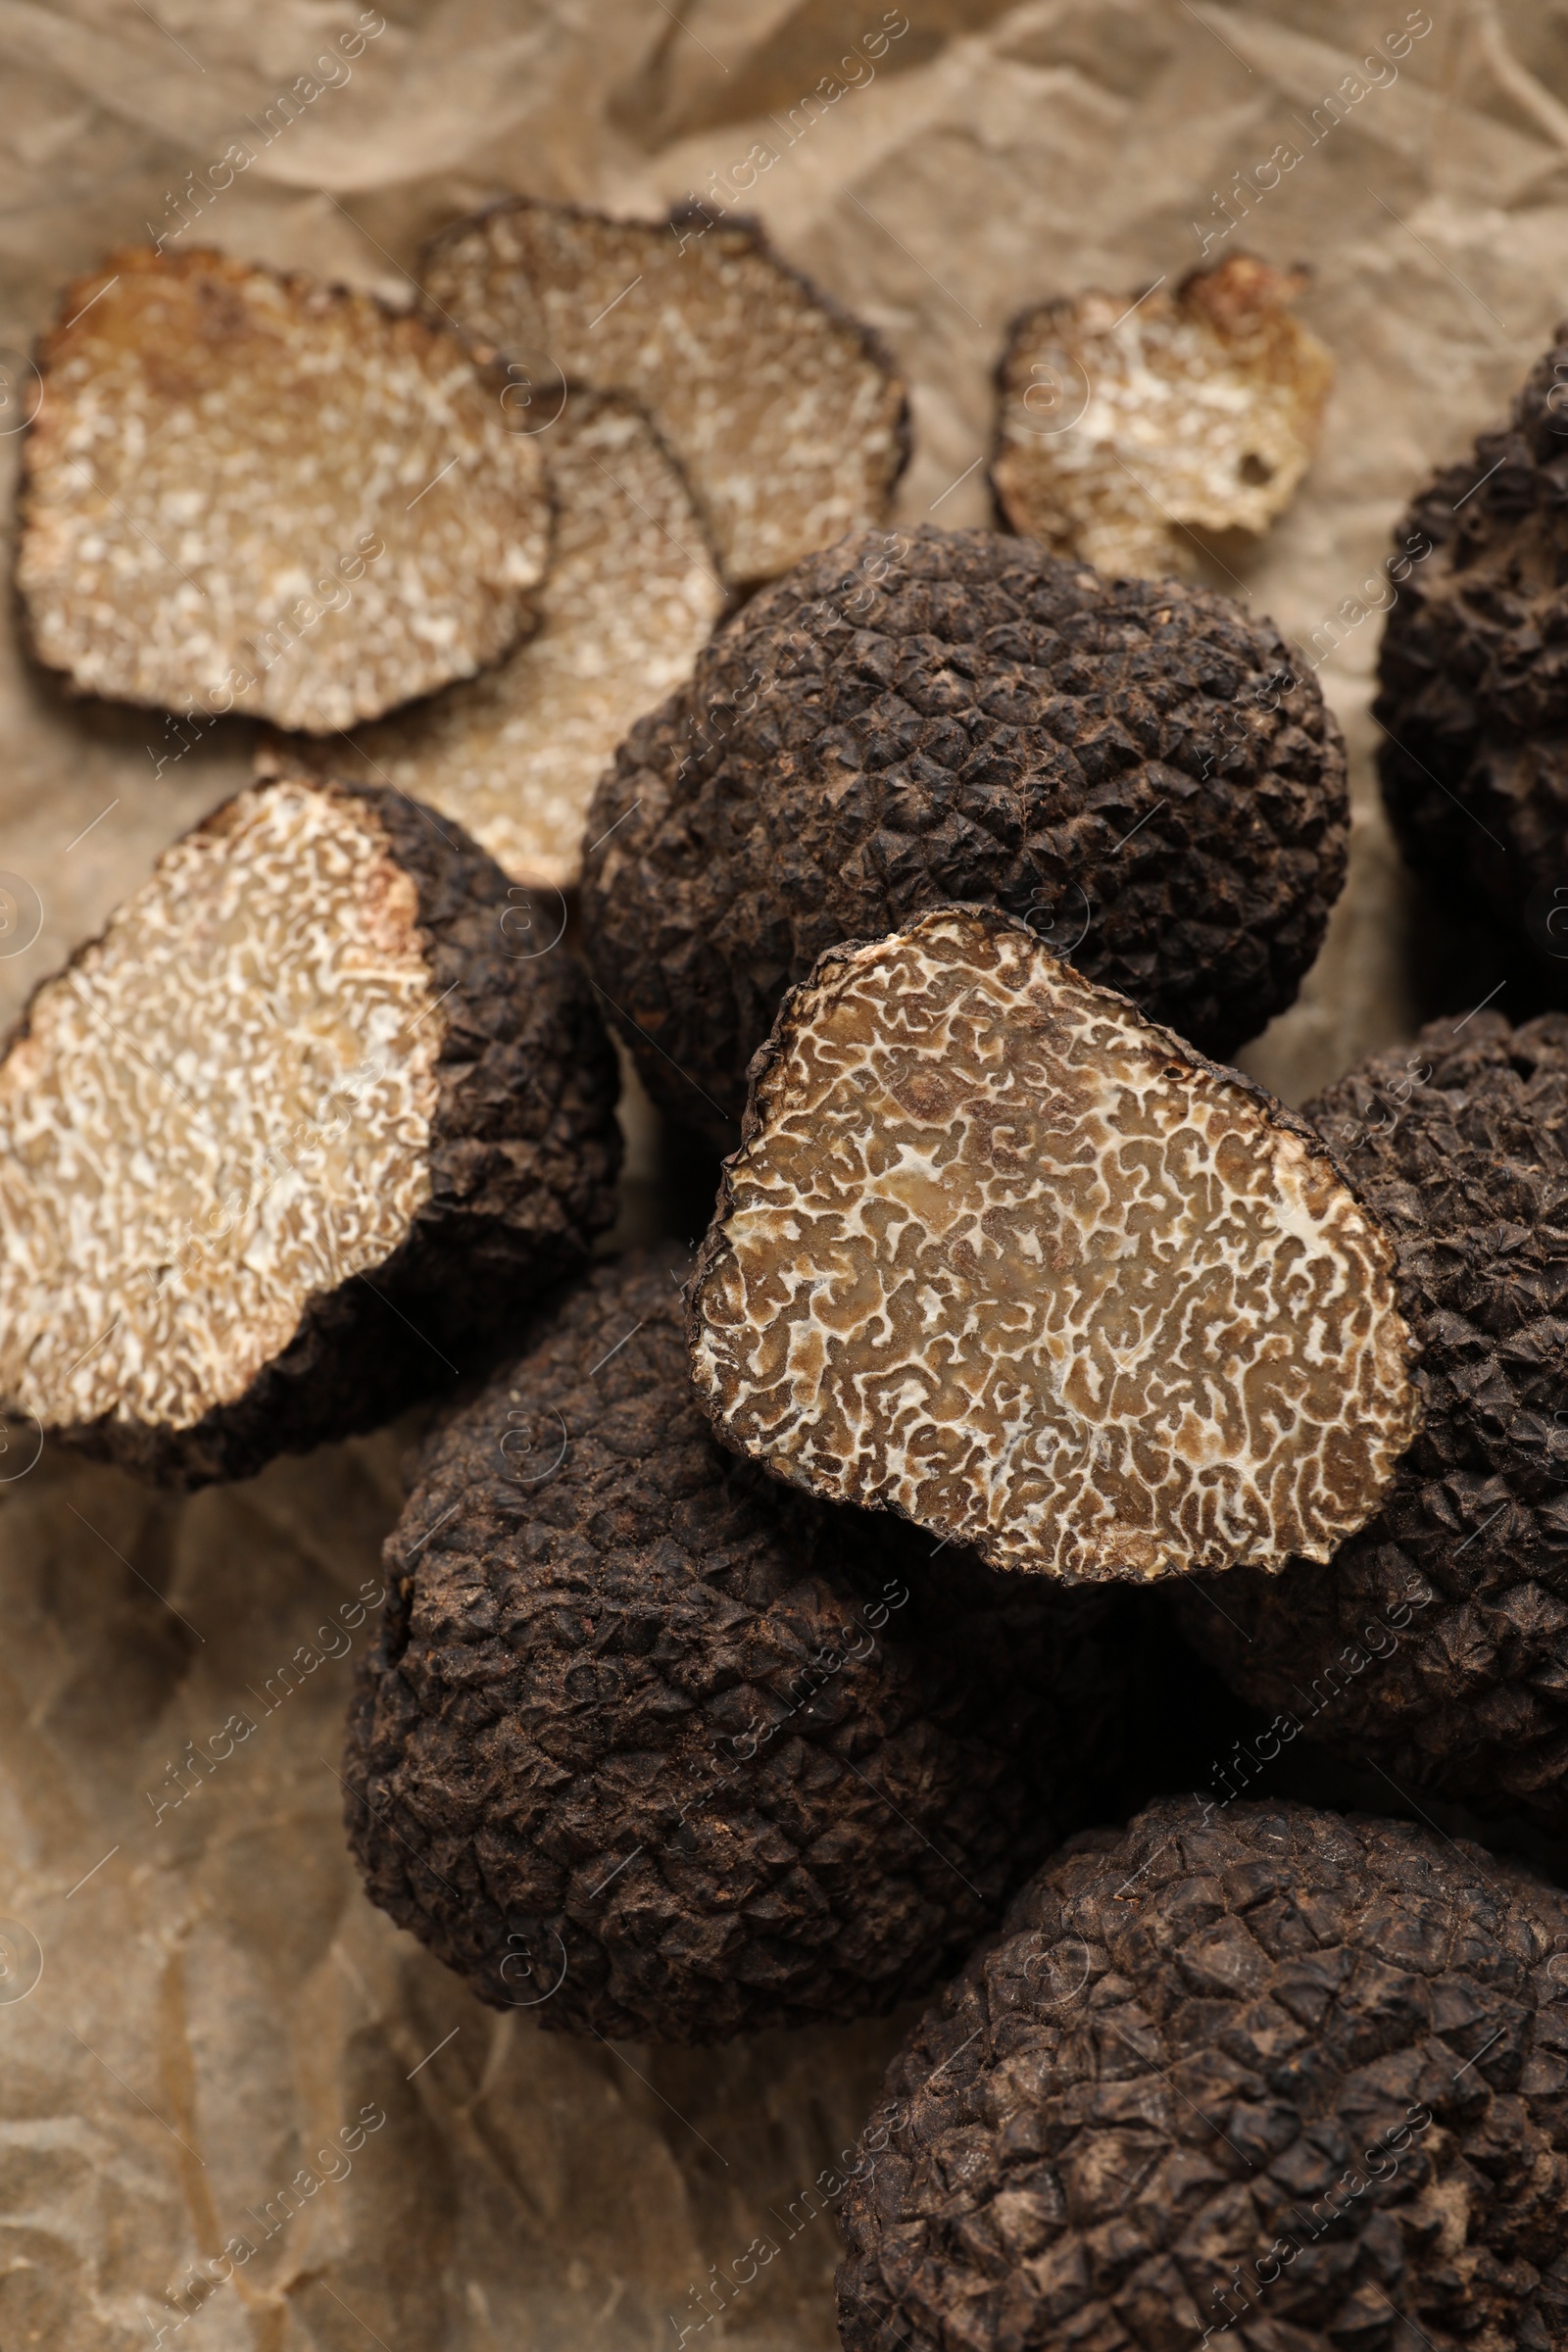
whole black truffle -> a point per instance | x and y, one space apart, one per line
1275 2078
1473 671
670 1753
1435 1643
1143 774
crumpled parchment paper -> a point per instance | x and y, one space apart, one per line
208 2040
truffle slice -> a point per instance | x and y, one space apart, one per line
1123 421
632 593
998 1254
246 492
287 1143
1435 1644
783 409
659 1749
1474 686
1141 772
1273 2079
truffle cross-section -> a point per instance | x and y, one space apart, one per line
1003 1256
282 1146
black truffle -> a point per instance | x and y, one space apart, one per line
906 719
289 1142
670 1753
1435 1643
1000 1255
1275 2078
1473 671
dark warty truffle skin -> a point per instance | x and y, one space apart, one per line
659 1749
1474 677
1145 775
1260 2077
1435 1643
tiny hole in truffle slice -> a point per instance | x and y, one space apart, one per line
999 1254
282 1146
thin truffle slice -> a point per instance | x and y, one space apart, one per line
1141 772
998 1254
1435 1644
1473 694
659 1749
253 493
631 595
1122 423
287 1143
1273 2079
784 410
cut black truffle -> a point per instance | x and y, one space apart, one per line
1474 676
1270 2077
668 1751
1435 1644
247 492
784 410
284 1145
1003 1256
1134 767
1123 420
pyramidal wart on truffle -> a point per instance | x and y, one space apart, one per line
659 1749
1137 770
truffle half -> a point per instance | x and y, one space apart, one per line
1137 769
664 1750
784 410
1435 1644
286 1143
1000 1255
1125 420
1474 680
1271 2079
253 493
631 594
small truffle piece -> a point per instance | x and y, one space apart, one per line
631 595
1435 1644
784 410
1474 678
253 493
1143 774
1274 2078
1000 1256
658 1749
1123 423
288 1142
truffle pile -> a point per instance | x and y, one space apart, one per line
730 1678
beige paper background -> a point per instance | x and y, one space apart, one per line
217 1997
